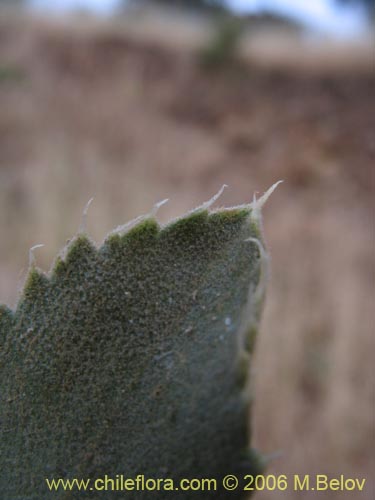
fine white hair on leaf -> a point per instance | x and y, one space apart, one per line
125 227
31 254
255 296
257 205
207 204
128 225
83 224
156 207
264 267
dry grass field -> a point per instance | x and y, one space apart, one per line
93 109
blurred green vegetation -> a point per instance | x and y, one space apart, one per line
11 73
223 47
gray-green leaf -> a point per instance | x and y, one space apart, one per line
133 358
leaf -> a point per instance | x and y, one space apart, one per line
132 358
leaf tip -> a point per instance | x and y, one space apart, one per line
257 205
83 225
32 256
207 204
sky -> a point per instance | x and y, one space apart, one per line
324 16
99 6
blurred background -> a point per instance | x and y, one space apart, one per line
134 101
